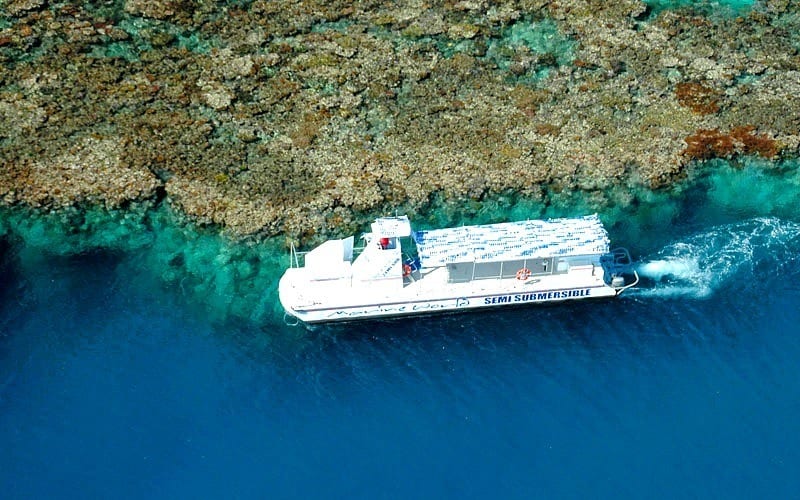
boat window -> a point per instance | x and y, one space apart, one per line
459 273
485 270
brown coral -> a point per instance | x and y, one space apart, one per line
752 143
712 143
705 144
699 98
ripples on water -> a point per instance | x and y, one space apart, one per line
690 372
750 252
113 386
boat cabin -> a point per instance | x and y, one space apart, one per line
378 264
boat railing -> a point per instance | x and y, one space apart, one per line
534 268
296 256
358 250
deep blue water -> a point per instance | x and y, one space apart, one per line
115 386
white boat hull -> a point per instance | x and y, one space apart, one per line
402 273
340 302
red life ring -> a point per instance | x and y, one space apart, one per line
406 270
523 274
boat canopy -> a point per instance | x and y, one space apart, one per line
392 227
511 241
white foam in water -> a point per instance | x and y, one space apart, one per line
702 264
676 267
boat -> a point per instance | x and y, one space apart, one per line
399 272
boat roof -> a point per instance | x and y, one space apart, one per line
512 241
392 227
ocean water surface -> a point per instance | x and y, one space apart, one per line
141 357
116 381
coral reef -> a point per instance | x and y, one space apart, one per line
697 97
707 144
90 172
298 116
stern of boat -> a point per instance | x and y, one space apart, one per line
288 294
618 270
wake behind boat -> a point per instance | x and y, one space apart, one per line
401 272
